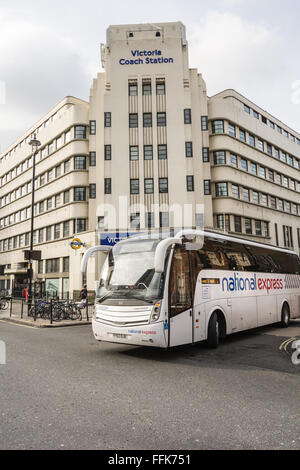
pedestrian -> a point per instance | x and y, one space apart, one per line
83 293
83 296
26 294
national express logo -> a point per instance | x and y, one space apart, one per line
255 283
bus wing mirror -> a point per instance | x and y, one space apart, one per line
89 253
160 253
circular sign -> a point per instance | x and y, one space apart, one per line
76 244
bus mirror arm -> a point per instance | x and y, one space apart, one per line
160 253
89 253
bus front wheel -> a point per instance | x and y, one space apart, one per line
213 333
285 316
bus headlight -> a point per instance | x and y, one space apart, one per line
155 312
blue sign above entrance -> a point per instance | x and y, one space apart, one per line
110 239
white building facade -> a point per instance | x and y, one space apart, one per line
150 150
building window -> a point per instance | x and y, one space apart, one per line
80 132
237 224
133 90
147 119
148 152
187 116
56 231
79 162
164 219
189 149
253 168
247 109
260 145
92 191
107 152
92 127
149 220
252 140
135 221
57 200
58 171
133 120
231 130
66 264
242 135
262 172
246 195
79 193
133 153
107 186
204 123
147 89
162 152
218 127
149 185
52 265
255 114
221 189
235 191
161 120
107 119
66 229
190 183
101 220
207 188
248 226
134 186
160 88
79 225
205 154
92 158
244 164
66 196
220 157
163 185
264 199
273 202
67 166
258 231
288 236
48 233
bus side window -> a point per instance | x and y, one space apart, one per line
180 285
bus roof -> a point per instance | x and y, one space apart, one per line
208 234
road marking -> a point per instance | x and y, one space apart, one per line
285 344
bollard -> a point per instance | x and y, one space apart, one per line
10 311
35 312
51 318
87 310
22 305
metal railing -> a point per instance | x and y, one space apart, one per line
47 310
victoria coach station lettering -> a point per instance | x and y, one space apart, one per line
146 57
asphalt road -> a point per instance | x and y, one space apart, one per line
62 390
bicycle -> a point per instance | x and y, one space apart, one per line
4 303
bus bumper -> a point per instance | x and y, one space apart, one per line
147 335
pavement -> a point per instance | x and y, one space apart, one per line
18 315
60 389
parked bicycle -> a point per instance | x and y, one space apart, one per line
4 303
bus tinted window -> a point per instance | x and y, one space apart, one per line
231 256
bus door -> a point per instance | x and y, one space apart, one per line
180 299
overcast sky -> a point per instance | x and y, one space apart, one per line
52 49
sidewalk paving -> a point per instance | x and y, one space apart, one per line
15 316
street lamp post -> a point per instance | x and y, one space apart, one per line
35 144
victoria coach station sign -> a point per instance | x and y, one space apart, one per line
110 239
147 57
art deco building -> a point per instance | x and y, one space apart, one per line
149 151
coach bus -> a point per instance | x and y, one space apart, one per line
198 286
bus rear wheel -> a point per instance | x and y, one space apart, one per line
213 333
285 316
